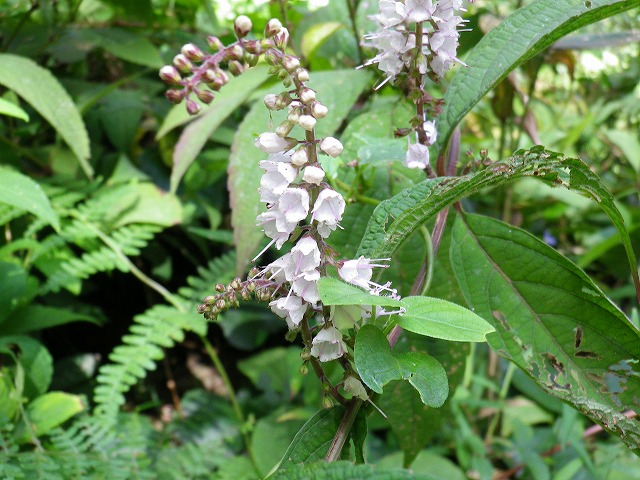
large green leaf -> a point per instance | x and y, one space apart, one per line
41 89
551 320
313 440
524 34
439 318
198 132
21 192
338 90
395 219
48 412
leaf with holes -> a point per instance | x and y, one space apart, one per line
551 320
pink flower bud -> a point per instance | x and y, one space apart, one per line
302 75
205 96
234 53
174 95
284 128
290 63
192 52
273 27
236 68
192 107
182 63
242 26
282 38
270 101
170 75
214 43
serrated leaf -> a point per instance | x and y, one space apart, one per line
21 192
426 375
313 440
12 110
198 132
345 471
395 219
374 362
338 90
551 320
29 80
336 292
439 318
317 35
521 36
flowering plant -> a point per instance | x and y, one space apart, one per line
343 304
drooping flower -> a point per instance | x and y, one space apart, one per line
359 272
271 143
418 10
417 156
328 345
327 211
294 204
277 177
275 226
292 308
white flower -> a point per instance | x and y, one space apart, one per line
419 10
294 204
292 308
307 286
392 46
417 156
305 257
277 177
431 131
391 13
307 122
328 345
327 211
319 110
300 157
313 175
276 227
272 143
331 146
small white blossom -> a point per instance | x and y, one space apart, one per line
359 272
307 122
431 131
294 204
328 345
417 156
276 227
419 10
272 143
313 175
305 257
391 13
270 101
331 146
307 95
327 211
300 157
292 308
319 110
277 177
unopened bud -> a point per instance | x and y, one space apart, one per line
251 287
273 27
236 283
307 122
302 75
307 96
421 63
192 52
201 309
270 101
174 95
290 63
305 354
205 96
253 46
313 175
319 110
251 60
331 146
170 75
182 63
282 38
220 287
242 26
300 157
193 107
210 300
236 68
283 100
294 115
214 43
234 53
221 304
272 143
284 128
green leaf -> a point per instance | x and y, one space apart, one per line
374 362
37 317
12 110
628 143
12 289
344 471
35 360
338 90
274 370
198 132
30 80
426 375
271 437
525 33
439 318
551 320
129 46
21 192
336 292
317 35
395 219
313 440
48 412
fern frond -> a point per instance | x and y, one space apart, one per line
159 327
218 270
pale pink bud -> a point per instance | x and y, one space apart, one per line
302 75
242 26
270 101
307 122
182 63
192 107
192 52
273 27
174 95
170 75
205 96
313 175
282 38
214 43
307 96
290 63
331 146
300 157
319 110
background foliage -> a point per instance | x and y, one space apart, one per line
117 222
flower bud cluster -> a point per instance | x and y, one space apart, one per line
229 296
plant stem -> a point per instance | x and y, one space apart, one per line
352 5
344 429
506 383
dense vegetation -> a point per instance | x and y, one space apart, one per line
121 213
